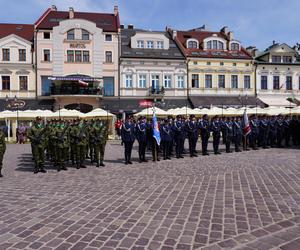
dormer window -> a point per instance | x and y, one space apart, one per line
140 44
215 44
287 59
160 44
150 44
85 35
71 34
192 44
276 59
234 46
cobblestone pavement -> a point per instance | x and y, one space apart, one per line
248 200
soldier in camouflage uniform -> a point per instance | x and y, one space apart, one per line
2 149
60 137
99 135
37 138
91 141
73 140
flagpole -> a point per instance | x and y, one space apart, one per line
155 149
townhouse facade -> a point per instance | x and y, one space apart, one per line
77 57
278 75
220 71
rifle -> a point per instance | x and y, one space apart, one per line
62 136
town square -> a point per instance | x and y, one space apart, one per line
137 125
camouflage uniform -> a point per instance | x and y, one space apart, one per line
2 149
61 142
99 133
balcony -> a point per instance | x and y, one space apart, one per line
156 92
75 90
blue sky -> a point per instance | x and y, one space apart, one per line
255 22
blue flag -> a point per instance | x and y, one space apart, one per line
156 133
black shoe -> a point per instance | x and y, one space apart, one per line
1 175
144 160
82 166
140 161
126 163
168 158
77 166
102 164
195 155
181 156
178 157
129 162
43 170
97 166
64 168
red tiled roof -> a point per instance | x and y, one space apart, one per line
25 31
51 18
183 36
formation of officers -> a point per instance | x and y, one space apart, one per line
265 132
63 142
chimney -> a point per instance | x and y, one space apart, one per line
174 34
224 30
274 42
53 7
252 50
130 27
230 35
71 12
116 10
122 26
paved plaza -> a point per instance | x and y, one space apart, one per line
248 200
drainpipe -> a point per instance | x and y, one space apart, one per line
35 63
119 67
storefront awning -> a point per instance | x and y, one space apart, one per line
225 101
279 101
74 78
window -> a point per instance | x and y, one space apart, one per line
22 55
150 44
71 35
276 82
142 81
264 82
195 81
215 44
208 63
235 46
86 56
23 83
128 80
221 63
160 44
247 84
78 56
276 59
155 82
209 45
5 82
47 55
108 56
234 81
167 81
140 44
289 83
208 81
220 45
195 63
46 35
192 45
180 82
221 81
234 64
287 59
108 37
5 55
70 56
85 35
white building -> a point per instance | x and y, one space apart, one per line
278 75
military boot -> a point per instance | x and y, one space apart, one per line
102 164
0 172
36 169
42 169
97 164
63 167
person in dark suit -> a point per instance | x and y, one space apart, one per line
128 138
237 133
215 127
141 136
166 138
205 133
192 134
228 134
178 131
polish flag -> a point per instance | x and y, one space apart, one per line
247 128
83 84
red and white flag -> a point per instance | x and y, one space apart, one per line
82 83
247 128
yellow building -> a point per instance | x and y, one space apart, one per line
220 71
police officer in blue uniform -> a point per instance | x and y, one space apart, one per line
254 132
128 138
237 133
264 129
279 131
166 138
141 136
192 134
286 131
204 133
272 132
228 134
215 127
178 131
